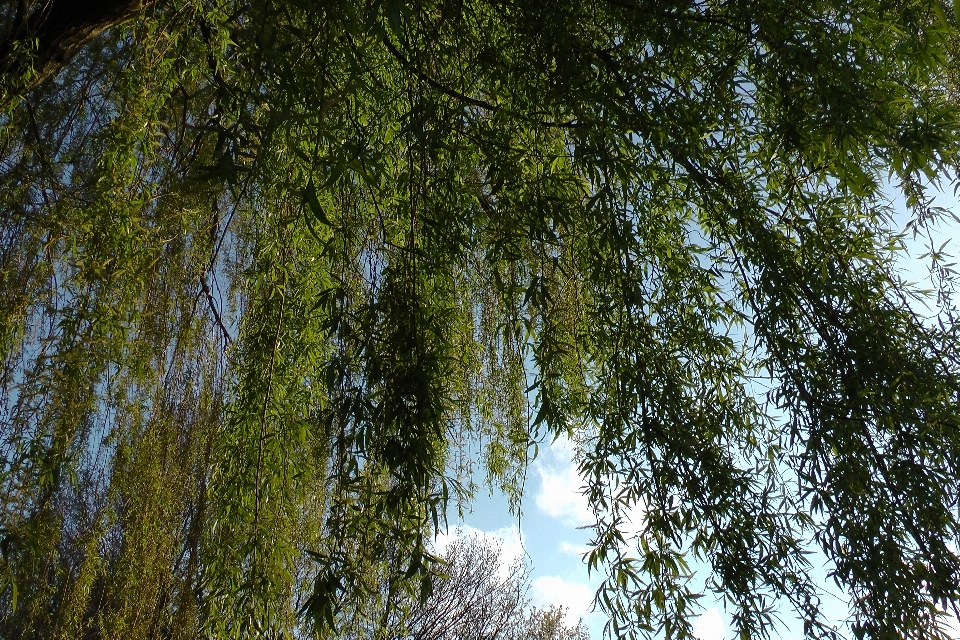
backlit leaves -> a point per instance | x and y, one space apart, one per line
277 276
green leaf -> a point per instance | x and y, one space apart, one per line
309 195
394 16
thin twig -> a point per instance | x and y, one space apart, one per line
213 310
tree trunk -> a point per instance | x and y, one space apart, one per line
59 29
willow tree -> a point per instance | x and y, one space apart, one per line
275 274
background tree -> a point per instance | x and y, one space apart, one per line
271 272
476 595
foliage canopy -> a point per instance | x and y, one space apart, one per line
275 273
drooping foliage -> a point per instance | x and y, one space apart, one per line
275 274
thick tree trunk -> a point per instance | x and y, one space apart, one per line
60 28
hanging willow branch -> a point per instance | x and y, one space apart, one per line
459 230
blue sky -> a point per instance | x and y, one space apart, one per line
554 509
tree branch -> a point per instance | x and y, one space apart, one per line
43 42
452 93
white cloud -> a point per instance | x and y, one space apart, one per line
709 625
953 627
632 523
576 597
508 539
573 549
561 496
561 487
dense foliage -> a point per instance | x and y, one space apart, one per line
274 274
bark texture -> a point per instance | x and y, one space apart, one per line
59 28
